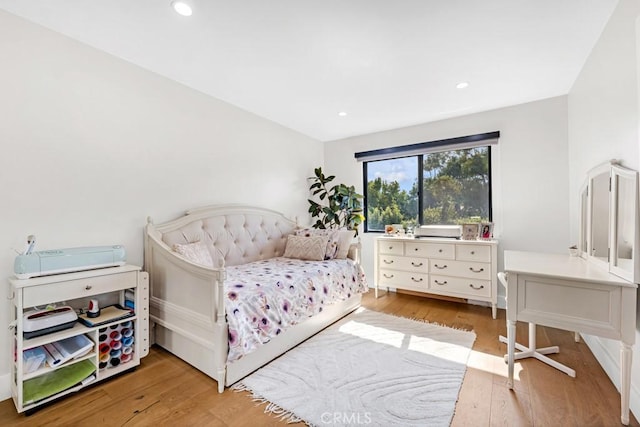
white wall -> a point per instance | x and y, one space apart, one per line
530 176
92 145
603 125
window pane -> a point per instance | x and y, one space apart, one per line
455 187
392 193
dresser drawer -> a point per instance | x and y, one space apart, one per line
468 288
390 247
403 279
394 262
73 289
479 253
431 250
473 270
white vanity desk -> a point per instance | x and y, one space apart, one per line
570 293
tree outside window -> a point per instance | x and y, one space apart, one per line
455 188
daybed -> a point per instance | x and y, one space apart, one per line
189 301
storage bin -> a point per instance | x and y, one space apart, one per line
33 359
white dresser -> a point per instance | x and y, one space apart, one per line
455 268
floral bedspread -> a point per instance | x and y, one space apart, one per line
266 297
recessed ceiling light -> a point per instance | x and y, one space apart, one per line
462 85
181 8
342 113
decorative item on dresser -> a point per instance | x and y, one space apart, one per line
460 268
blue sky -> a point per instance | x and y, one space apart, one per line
403 170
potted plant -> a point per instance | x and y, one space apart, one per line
340 205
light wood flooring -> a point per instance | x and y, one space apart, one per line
166 391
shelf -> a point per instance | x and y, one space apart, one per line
45 386
48 384
46 368
73 389
77 329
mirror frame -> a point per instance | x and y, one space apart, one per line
618 172
615 172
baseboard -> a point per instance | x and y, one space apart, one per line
611 365
5 387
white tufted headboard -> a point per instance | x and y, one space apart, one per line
235 233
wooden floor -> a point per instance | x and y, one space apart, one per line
166 391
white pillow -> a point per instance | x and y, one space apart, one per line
196 252
345 237
331 235
310 248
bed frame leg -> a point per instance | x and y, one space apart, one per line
222 379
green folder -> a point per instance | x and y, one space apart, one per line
46 385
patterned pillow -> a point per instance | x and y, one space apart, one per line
196 252
310 248
332 236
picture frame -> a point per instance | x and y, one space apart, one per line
486 231
470 231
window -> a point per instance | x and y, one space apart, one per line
391 194
443 184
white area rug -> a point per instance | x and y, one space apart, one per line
368 369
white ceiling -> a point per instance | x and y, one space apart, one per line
387 63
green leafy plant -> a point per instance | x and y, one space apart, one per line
340 205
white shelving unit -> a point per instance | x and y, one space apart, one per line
108 286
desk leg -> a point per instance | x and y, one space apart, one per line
511 348
626 354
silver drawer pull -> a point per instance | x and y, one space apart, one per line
440 283
476 271
416 265
88 287
416 280
387 262
388 276
474 287
440 266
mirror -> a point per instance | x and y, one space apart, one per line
609 232
584 200
623 195
599 247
